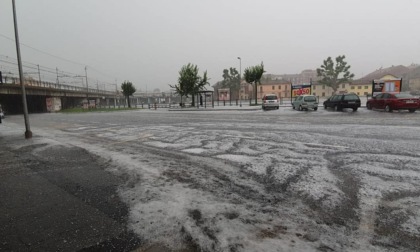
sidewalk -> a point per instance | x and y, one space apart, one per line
55 197
218 108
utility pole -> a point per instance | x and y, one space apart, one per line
116 92
87 86
39 76
58 81
240 74
28 132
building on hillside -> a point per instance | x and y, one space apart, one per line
321 90
245 93
306 76
281 88
359 87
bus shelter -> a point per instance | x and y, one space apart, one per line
204 96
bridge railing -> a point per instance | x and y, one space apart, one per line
58 86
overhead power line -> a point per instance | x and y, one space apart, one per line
61 58
49 54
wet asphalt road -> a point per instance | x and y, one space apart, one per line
58 199
90 214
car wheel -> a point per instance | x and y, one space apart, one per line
388 108
300 108
369 106
316 108
354 109
337 108
278 107
412 110
293 107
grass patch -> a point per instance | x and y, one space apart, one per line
82 110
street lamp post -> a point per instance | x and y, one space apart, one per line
116 92
28 132
240 75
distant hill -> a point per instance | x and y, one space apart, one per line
397 71
409 74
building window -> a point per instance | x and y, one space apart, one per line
358 93
359 87
352 87
366 87
366 93
273 87
323 94
279 87
314 93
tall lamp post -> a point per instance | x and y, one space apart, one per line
240 75
28 132
116 92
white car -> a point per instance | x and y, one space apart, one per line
305 102
270 101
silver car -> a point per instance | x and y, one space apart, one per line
305 102
270 101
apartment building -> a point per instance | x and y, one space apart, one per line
360 87
281 88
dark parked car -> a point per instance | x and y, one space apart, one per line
391 102
340 101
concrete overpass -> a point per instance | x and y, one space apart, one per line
38 92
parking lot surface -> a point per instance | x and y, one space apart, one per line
246 180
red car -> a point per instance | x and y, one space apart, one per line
391 102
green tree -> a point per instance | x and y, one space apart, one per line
128 89
190 82
334 74
231 80
253 75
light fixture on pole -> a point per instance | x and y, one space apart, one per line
240 75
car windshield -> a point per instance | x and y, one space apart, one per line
404 95
351 97
271 97
310 99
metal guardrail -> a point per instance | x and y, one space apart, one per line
57 86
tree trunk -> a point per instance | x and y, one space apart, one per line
128 101
193 100
256 102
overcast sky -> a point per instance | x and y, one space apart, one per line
147 42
